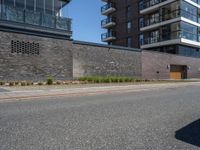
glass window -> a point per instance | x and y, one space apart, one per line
141 39
128 11
141 5
188 11
129 41
185 51
154 18
154 36
189 31
141 22
170 11
129 26
171 31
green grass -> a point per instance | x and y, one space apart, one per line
108 79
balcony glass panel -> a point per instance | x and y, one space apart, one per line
107 6
33 18
48 20
63 23
108 34
170 11
30 5
107 20
13 14
170 31
143 4
35 13
189 31
174 31
188 11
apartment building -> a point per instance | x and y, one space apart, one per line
171 26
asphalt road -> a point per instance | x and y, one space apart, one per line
158 119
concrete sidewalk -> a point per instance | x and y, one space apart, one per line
36 92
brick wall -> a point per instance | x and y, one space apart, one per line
153 62
94 59
55 58
64 59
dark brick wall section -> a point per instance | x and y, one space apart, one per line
152 62
55 59
91 60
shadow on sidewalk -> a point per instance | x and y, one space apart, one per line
190 133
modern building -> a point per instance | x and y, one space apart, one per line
38 17
171 26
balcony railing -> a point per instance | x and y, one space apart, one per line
111 35
171 36
107 7
143 4
109 20
17 15
172 15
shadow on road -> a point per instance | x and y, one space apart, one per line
190 133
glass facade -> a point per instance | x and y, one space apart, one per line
143 4
44 13
172 11
179 50
172 31
189 11
183 28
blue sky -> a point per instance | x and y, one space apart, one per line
86 20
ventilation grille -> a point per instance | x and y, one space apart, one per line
21 47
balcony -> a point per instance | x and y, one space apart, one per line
108 22
147 6
39 21
149 3
108 9
155 21
175 37
108 37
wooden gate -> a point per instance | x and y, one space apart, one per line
178 72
